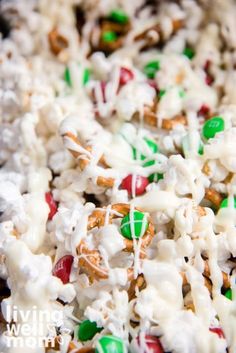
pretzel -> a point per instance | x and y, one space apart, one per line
213 196
200 211
206 169
150 39
190 306
80 350
151 119
57 42
123 209
229 178
71 348
55 346
84 160
226 279
208 284
121 29
90 260
206 274
109 26
137 283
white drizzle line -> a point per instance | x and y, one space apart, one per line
70 144
86 256
112 211
133 185
107 215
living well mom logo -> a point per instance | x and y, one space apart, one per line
32 327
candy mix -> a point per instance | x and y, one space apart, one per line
117 179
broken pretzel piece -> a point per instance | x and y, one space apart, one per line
90 261
83 154
57 41
214 197
225 276
137 283
154 34
151 119
72 349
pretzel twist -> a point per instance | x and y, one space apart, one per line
84 160
150 39
90 260
207 275
151 119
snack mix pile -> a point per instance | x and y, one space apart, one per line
117 179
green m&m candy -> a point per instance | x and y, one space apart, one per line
149 163
119 16
67 76
186 145
153 147
182 93
201 149
134 225
151 68
189 52
213 126
86 76
110 344
225 203
109 36
86 330
155 177
162 92
228 294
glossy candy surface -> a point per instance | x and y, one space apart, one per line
134 225
110 344
52 205
139 186
212 127
62 269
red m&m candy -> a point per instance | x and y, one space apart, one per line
148 344
52 205
101 90
204 110
126 75
207 65
135 184
153 84
209 79
218 331
62 268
